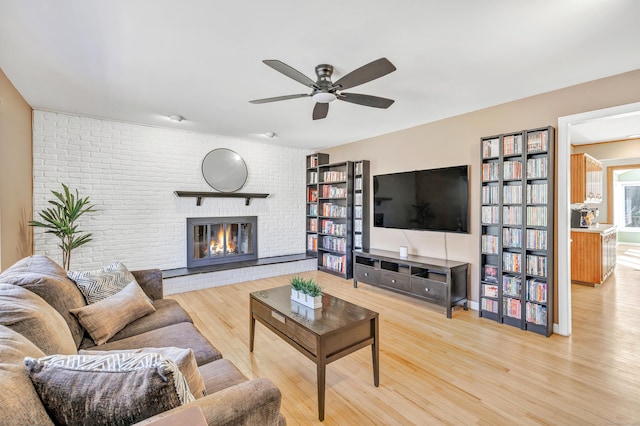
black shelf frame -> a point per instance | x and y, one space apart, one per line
346 220
313 161
519 207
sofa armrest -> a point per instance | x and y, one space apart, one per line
151 282
254 402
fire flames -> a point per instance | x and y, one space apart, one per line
216 246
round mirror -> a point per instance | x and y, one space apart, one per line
224 170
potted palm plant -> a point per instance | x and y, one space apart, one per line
60 220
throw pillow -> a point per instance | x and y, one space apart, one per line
26 313
184 359
118 389
47 279
105 318
105 282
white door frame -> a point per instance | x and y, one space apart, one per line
563 327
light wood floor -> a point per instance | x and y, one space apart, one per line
466 370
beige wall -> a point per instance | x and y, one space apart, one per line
16 176
456 140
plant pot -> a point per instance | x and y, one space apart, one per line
306 300
296 295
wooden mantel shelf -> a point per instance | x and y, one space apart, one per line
198 195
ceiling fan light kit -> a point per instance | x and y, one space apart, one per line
324 97
323 90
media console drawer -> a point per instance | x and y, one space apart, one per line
437 281
395 280
366 274
430 289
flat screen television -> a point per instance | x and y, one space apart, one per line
430 200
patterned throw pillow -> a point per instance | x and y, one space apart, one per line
183 357
105 282
107 389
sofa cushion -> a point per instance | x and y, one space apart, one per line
49 280
151 282
28 314
184 359
17 395
107 389
102 283
182 335
106 317
220 374
168 312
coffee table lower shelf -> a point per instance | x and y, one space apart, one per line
336 330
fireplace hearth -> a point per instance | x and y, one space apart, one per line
217 240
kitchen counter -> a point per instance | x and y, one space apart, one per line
593 253
600 228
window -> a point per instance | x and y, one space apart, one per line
627 205
631 205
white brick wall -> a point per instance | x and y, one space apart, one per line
131 171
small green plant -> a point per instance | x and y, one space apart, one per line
313 289
297 283
60 220
309 286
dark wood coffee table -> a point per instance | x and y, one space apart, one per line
323 335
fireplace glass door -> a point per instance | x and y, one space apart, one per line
221 240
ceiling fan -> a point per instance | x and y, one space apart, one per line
325 91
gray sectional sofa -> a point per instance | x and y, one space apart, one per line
36 297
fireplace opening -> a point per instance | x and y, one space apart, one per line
215 240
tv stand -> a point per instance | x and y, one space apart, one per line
437 281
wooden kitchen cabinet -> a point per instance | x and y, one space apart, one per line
587 181
593 254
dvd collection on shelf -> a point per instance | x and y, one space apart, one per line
337 203
312 242
331 191
334 262
313 161
334 176
360 205
329 227
334 210
516 253
334 244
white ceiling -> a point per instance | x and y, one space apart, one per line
141 60
614 128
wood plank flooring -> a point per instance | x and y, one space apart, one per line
464 370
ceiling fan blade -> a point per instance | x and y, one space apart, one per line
320 111
366 100
278 98
365 73
290 72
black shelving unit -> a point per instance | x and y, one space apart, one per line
335 218
312 163
516 243
361 216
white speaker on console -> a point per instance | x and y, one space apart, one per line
404 252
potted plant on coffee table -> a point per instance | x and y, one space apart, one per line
306 292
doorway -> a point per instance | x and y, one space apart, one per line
563 327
